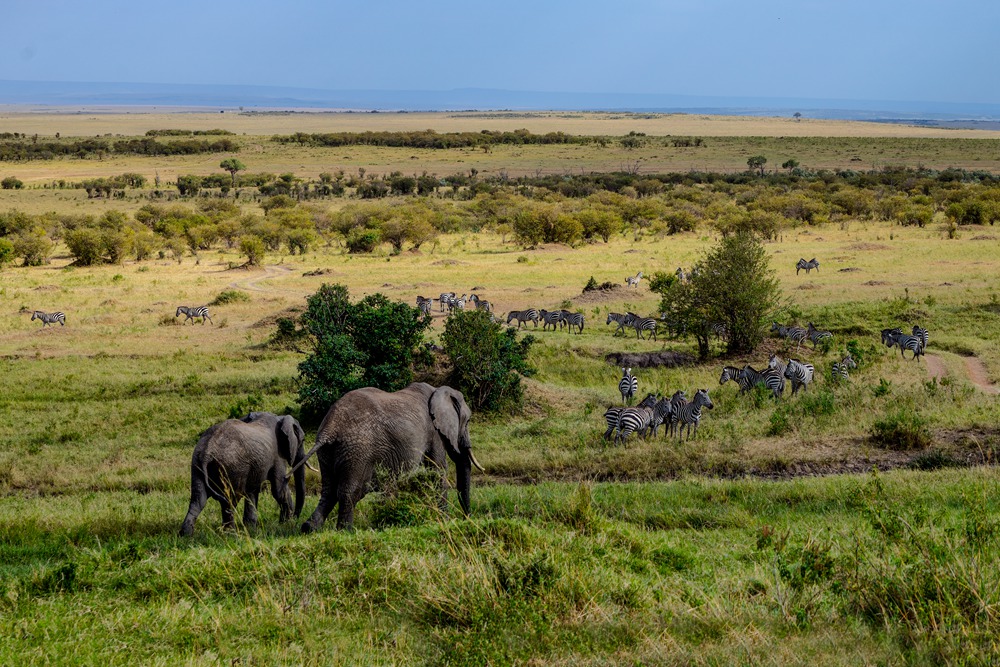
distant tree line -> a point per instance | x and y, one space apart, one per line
429 139
188 133
21 150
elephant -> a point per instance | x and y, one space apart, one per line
233 458
368 429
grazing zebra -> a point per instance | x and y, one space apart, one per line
424 304
633 281
445 300
49 318
641 324
769 377
841 368
815 335
481 304
808 266
573 320
896 338
628 386
637 419
665 410
793 333
800 373
193 313
523 317
922 334
689 414
612 413
550 318
733 373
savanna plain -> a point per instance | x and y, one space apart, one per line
854 523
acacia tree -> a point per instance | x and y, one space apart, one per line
757 162
733 285
232 165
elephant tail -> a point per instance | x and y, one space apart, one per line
216 494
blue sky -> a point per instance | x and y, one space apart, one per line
836 49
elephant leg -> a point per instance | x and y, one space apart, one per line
228 513
279 489
250 507
327 499
199 496
346 500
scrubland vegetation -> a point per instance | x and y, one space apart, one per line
718 550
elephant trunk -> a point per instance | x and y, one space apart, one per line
300 485
463 470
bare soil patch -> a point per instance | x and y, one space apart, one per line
976 370
600 295
868 246
984 237
935 367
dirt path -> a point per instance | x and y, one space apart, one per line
252 284
975 369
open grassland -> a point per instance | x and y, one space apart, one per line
578 551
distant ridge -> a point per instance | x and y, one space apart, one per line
51 93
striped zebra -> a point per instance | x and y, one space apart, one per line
550 318
633 281
896 338
193 312
719 330
49 318
481 304
573 320
841 368
665 410
733 373
791 332
628 386
424 304
623 320
641 324
457 304
444 300
922 334
523 317
612 413
689 414
769 378
800 373
681 276
635 420
808 266
816 335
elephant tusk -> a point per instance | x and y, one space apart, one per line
309 465
472 457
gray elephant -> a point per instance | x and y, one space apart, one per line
369 429
233 458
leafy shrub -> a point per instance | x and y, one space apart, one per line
488 360
244 406
33 246
346 355
6 252
230 296
883 388
361 240
11 183
901 431
252 246
593 286
779 423
408 500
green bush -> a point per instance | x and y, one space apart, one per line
252 246
6 252
345 354
11 183
901 431
230 296
33 246
487 360
360 240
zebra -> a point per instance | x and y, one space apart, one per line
816 335
573 320
665 410
523 317
49 318
481 304
896 338
733 373
922 334
424 304
794 333
808 266
841 368
628 386
681 275
550 318
800 373
637 419
622 320
689 414
769 377
633 281
641 324
612 413
445 299
194 312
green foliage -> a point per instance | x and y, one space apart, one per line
487 360
883 388
33 246
244 406
360 240
757 163
230 296
6 252
232 165
902 430
252 246
346 355
11 183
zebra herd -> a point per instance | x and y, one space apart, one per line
654 410
808 266
556 319
452 302
915 342
190 312
632 321
798 335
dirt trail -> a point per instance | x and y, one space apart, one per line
974 369
251 284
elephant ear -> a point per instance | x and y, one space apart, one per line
446 406
287 431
